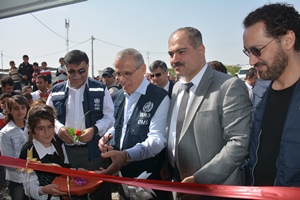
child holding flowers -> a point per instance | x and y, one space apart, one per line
46 148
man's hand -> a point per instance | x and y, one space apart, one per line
104 143
189 179
87 136
65 136
52 189
118 160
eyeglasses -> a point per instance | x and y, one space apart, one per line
157 75
255 51
107 75
73 71
126 74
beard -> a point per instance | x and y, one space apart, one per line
278 66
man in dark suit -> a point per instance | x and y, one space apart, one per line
209 143
159 75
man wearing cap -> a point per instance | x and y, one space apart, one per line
110 81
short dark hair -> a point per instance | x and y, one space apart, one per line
42 76
194 35
216 65
158 64
76 57
25 56
5 95
251 73
36 64
279 18
7 80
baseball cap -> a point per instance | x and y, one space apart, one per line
108 71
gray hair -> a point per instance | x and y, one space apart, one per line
138 57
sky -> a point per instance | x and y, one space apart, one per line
145 25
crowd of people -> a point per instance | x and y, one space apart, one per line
205 127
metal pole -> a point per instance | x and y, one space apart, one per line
2 60
67 25
92 40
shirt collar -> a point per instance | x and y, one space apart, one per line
41 150
196 80
141 89
68 85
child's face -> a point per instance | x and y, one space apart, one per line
18 111
44 132
3 104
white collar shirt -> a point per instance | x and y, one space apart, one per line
172 130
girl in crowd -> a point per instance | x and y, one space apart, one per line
12 137
47 149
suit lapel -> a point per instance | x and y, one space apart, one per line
201 90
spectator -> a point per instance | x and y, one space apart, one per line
272 42
216 65
3 99
109 80
61 71
250 80
77 99
12 137
208 122
7 85
26 89
36 72
14 74
28 96
159 76
26 70
139 130
147 76
46 72
42 92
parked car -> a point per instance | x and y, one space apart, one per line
242 73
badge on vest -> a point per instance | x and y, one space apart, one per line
144 116
97 104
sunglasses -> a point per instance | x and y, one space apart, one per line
106 75
157 75
255 51
73 71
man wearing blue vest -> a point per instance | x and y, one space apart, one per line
83 104
139 132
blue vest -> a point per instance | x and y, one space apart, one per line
138 128
93 102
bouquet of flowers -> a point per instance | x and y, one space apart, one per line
76 133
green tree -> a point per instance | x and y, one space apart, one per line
233 69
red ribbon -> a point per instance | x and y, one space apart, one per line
242 192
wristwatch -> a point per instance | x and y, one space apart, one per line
128 159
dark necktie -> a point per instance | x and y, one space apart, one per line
181 111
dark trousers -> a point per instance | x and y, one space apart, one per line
79 158
16 191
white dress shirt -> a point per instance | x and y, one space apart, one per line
167 86
250 90
156 139
172 130
74 111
